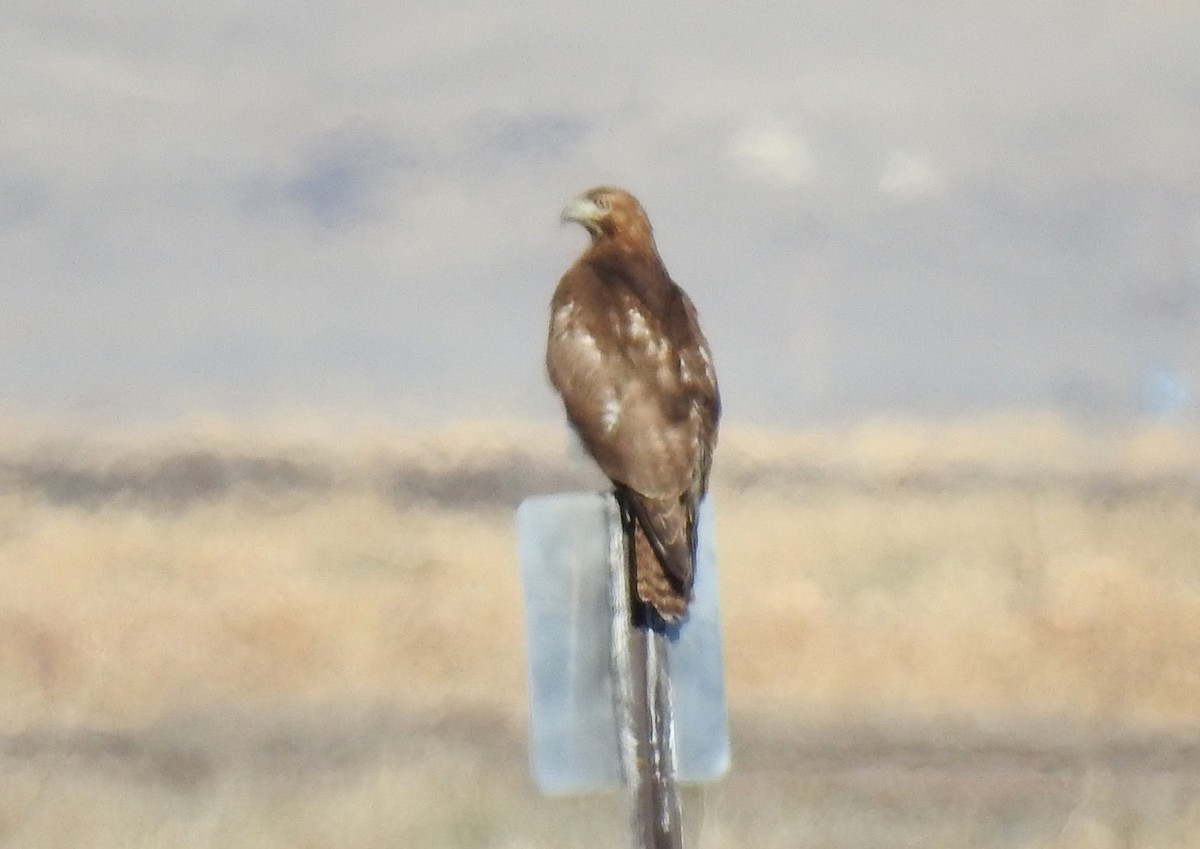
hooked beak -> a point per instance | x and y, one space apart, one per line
583 210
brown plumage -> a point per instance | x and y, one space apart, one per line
627 356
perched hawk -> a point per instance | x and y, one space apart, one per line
636 377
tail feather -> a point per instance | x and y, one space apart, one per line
655 585
662 574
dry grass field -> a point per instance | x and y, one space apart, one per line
980 634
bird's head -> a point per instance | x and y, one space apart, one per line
609 213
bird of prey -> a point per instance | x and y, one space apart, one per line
636 377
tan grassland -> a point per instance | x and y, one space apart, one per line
963 634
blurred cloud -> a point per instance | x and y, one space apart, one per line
774 155
907 176
343 178
224 206
531 139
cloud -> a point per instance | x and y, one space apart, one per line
343 177
774 154
531 137
907 176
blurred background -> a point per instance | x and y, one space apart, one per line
877 207
274 298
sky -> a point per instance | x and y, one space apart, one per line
919 208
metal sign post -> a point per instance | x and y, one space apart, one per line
614 705
642 707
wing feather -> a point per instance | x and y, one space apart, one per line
644 407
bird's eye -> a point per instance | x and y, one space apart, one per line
602 202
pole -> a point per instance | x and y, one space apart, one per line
642 695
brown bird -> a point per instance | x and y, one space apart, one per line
636 377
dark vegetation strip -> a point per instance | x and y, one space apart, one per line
178 481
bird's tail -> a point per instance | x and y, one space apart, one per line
654 584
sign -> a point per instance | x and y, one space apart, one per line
564 543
